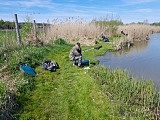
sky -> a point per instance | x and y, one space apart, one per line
47 10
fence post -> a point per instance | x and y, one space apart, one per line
34 28
17 29
44 34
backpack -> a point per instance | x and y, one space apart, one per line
50 65
105 39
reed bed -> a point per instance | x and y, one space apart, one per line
138 32
87 33
74 30
134 32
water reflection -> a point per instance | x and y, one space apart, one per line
139 46
142 60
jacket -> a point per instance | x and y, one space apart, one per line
74 53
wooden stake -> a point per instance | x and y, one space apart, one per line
17 29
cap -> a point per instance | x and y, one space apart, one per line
78 44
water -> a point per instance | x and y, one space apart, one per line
142 60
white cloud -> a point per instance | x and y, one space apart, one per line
36 3
135 2
139 15
143 10
28 3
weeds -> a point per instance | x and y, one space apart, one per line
133 98
27 28
17 83
7 38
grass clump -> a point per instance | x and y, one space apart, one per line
7 38
60 41
2 94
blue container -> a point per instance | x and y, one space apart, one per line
27 69
85 62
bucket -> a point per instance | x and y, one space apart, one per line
85 62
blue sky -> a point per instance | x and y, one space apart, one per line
44 10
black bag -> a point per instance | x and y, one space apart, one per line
105 39
50 65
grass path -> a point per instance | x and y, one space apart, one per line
70 94
67 94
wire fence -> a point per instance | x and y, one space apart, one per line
22 33
71 29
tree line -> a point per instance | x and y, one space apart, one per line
156 24
6 24
11 25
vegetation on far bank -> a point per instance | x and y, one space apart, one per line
72 92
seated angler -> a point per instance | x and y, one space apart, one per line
104 38
76 55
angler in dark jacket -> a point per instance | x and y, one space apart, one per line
104 38
76 55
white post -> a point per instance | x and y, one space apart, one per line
34 28
44 34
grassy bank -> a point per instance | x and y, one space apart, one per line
69 93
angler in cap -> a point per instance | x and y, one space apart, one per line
104 38
76 55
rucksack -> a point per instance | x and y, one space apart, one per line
50 65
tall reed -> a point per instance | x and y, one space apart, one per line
75 30
7 38
138 32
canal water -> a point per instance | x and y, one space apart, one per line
142 60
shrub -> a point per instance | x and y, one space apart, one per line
60 41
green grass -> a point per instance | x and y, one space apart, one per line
7 38
134 98
70 94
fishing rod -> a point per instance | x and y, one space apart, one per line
97 48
